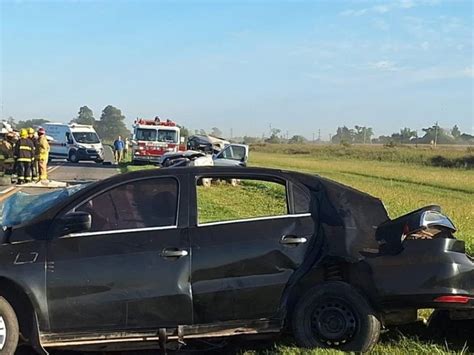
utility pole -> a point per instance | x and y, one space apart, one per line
231 133
436 134
319 135
313 137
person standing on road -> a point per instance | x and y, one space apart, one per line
24 155
118 149
43 154
34 163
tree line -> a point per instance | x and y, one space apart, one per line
110 124
365 135
431 135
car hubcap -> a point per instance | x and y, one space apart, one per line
3 333
334 323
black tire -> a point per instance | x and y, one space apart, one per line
99 161
9 322
335 315
73 158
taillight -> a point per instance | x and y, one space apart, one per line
453 299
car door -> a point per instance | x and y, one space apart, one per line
131 269
232 155
247 242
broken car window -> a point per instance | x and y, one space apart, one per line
137 204
22 207
229 199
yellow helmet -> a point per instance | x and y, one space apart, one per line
31 131
23 133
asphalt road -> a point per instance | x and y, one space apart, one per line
63 171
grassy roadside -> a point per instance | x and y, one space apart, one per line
452 156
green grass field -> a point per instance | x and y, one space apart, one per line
403 184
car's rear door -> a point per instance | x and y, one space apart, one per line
132 269
247 241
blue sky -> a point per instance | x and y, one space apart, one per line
301 66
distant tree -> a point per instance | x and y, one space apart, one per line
297 139
202 132
436 134
216 132
343 135
184 132
84 116
466 139
34 123
406 134
274 138
455 132
363 134
111 124
382 140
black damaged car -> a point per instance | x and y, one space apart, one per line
152 258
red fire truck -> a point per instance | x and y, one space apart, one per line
153 138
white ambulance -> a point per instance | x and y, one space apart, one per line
74 142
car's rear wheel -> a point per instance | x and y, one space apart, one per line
335 315
9 330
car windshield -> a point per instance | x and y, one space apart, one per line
148 135
22 206
86 137
167 136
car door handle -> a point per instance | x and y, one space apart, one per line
291 239
173 253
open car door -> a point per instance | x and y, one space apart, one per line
232 155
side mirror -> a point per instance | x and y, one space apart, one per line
75 222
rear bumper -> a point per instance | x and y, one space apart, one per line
423 273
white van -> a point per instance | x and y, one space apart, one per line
74 142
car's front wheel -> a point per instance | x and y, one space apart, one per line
73 158
335 315
9 330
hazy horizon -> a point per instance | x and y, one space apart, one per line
297 66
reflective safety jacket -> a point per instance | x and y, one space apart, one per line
42 149
35 144
24 150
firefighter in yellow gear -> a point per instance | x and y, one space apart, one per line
34 163
24 155
43 154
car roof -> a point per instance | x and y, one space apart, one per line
231 170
